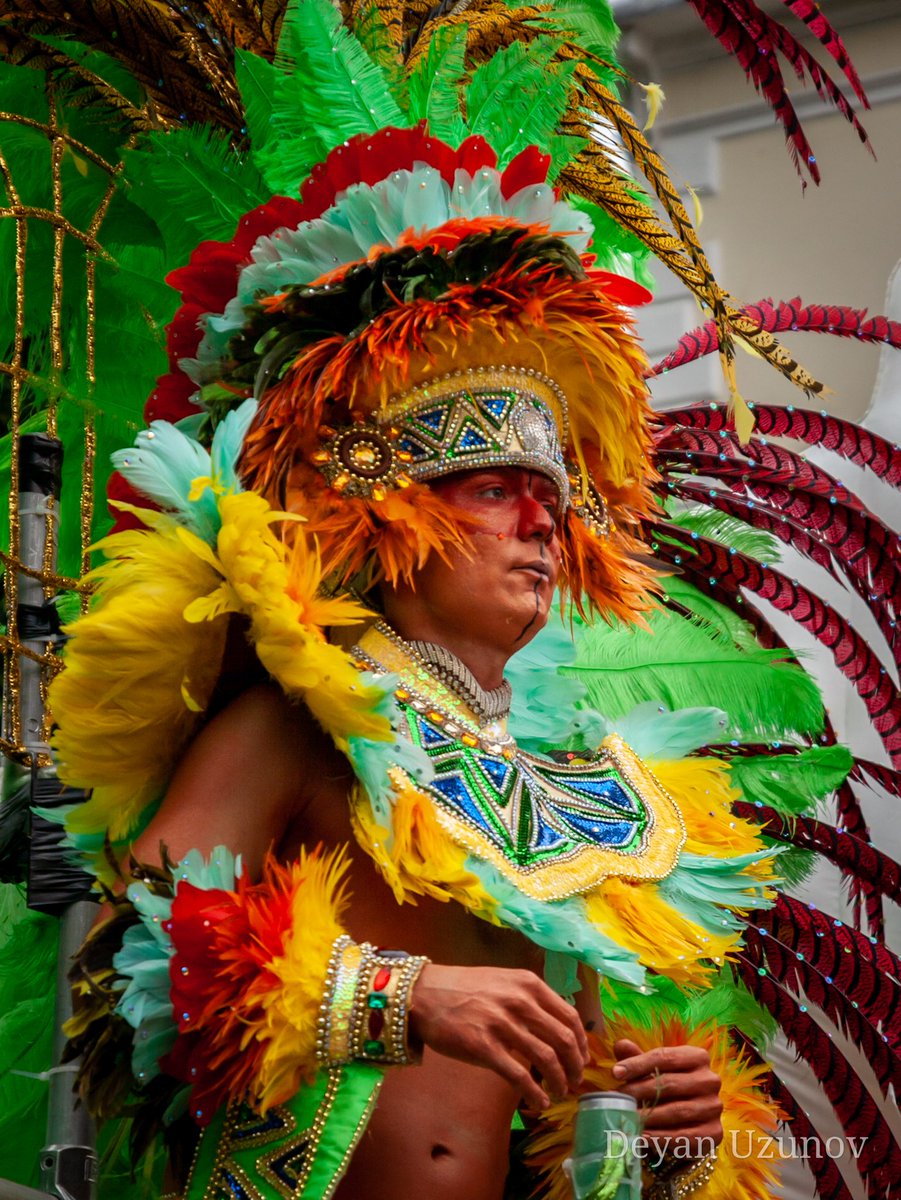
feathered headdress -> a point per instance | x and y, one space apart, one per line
421 312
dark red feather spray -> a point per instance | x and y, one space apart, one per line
793 970
787 316
755 39
754 50
817 428
837 844
722 573
830 1184
879 1154
855 548
810 13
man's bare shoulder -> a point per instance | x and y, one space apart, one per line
244 779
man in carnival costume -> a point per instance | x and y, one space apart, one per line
402 410
477 438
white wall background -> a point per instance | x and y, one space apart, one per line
767 237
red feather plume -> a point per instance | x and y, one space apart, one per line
788 315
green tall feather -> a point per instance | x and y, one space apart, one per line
433 85
329 90
682 662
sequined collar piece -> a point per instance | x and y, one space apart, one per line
553 829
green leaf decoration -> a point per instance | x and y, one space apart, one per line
563 149
375 37
591 26
435 82
730 531
538 112
724 1002
793 783
257 81
329 90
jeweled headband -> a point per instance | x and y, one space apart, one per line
463 420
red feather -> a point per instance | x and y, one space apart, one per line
848 851
722 573
793 970
787 315
861 966
829 1182
809 12
746 38
884 776
843 438
851 819
853 547
880 1157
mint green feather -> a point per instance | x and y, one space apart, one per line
371 761
433 86
656 733
728 530
559 926
704 888
329 90
549 709
143 961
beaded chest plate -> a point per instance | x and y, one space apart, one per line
554 829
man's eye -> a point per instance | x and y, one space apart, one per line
495 492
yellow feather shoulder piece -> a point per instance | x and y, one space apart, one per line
137 676
142 664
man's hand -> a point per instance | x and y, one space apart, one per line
507 1020
676 1090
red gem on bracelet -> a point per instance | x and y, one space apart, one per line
381 979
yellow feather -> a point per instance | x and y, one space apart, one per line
654 98
292 1007
142 665
418 858
122 717
703 790
638 919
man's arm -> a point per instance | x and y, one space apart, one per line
245 780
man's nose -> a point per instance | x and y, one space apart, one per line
536 523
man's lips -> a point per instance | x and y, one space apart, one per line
538 569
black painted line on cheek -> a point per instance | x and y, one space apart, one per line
528 625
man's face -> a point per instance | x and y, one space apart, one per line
502 592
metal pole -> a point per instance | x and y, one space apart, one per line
68 1162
